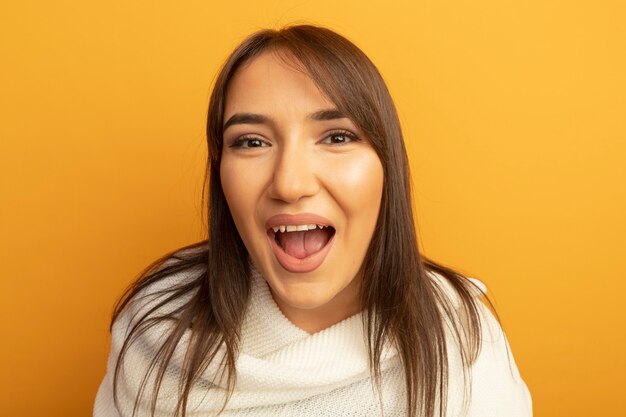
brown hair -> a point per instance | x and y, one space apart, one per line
403 304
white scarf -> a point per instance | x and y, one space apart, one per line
283 370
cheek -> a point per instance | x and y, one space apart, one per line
358 188
240 194
231 187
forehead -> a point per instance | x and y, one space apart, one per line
271 82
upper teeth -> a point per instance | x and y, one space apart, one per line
297 228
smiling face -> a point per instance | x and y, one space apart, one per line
290 158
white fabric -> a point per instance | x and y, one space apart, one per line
284 371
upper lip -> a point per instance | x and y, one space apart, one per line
285 219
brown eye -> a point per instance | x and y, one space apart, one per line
247 142
340 138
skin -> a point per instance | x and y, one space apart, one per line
293 164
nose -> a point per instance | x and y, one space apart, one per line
294 175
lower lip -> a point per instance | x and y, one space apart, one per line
292 264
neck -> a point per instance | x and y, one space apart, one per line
312 320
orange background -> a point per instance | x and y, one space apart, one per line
514 116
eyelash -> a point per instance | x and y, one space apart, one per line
350 135
239 142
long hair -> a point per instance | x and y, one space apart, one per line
403 305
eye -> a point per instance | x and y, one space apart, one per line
248 142
340 137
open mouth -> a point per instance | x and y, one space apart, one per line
301 241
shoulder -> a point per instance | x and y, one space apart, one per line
142 325
154 302
496 387
174 274
449 291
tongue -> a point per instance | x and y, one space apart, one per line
302 244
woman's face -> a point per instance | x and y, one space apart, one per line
291 161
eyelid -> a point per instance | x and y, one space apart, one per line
238 142
342 132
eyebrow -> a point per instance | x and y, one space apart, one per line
254 118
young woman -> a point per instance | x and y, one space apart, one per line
309 296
